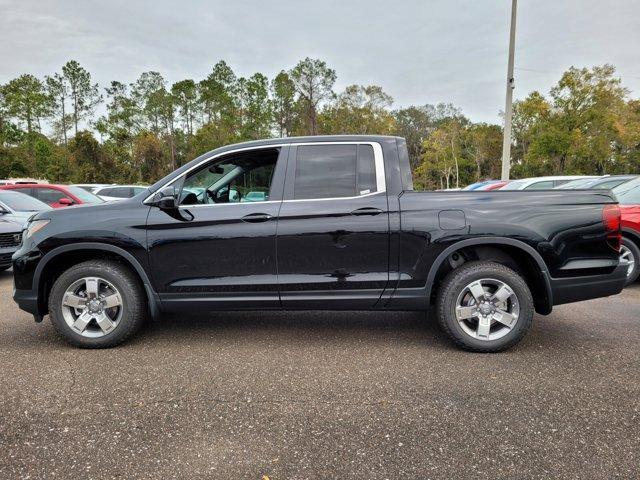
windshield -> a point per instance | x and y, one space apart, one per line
576 184
86 197
20 202
628 193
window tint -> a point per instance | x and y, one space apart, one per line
117 192
50 195
334 171
325 171
366 170
26 191
541 185
237 178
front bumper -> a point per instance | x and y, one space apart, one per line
27 300
576 289
5 256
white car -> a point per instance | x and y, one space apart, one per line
119 192
92 187
19 207
542 183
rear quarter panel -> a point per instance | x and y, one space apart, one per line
561 226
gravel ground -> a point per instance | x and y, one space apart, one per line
323 395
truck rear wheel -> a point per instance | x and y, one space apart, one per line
484 306
97 304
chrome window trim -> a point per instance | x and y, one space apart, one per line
381 186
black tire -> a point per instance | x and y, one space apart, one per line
134 309
635 251
455 283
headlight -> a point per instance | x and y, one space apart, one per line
34 227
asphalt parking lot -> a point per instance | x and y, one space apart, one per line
323 395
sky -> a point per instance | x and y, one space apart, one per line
418 51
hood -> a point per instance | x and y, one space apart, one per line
8 226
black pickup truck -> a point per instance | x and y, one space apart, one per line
318 223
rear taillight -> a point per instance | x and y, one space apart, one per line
611 220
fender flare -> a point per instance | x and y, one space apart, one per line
152 297
632 234
492 241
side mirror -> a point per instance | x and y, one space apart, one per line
166 199
65 201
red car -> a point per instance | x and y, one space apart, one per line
628 195
494 186
55 196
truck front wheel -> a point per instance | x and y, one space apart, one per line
97 304
484 306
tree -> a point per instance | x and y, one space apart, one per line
359 110
83 94
149 94
88 160
218 94
58 89
26 100
314 82
415 123
254 108
484 143
185 94
121 122
580 130
150 157
283 92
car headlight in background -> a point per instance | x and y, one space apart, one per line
34 227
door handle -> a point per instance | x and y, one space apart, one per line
367 211
256 217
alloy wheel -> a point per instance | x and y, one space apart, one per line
627 255
92 307
487 309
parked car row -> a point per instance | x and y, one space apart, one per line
564 182
20 199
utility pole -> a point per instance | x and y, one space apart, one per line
508 109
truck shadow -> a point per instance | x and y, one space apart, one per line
298 326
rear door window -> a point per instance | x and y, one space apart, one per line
334 171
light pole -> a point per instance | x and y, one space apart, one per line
508 108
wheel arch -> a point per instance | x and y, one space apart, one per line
67 255
632 235
536 274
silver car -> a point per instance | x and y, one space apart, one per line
18 207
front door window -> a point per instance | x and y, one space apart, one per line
241 178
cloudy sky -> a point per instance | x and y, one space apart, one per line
419 51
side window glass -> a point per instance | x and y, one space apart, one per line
540 185
366 170
49 195
237 178
121 192
26 191
325 171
